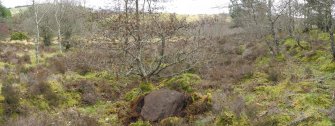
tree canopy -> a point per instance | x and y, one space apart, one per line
4 12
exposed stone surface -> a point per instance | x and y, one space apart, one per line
162 103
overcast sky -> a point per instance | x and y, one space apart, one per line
177 6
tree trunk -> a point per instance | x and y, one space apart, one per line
291 23
127 23
37 43
332 44
272 28
330 28
59 38
331 33
139 42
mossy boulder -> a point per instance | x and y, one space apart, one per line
163 103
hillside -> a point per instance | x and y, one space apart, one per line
294 88
18 10
63 64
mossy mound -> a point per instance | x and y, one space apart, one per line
185 82
143 89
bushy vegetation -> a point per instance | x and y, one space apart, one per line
4 12
18 36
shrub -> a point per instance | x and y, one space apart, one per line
71 118
4 30
25 59
87 90
200 105
4 12
18 36
331 114
57 64
11 101
85 61
45 89
47 36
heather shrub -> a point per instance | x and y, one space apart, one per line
12 97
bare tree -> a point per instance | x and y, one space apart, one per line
38 19
58 18
147 39
273 18
330 25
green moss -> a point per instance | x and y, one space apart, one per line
230 119
56 87
324 36
2 98
241 49
280 57
324 122
171 121
258 77
269 38
131 95
36 102
311 100
290 43
262 61
71 99
207 121
272 92
140 123
225 119
67 98
319 35
328 67
249 98
321 100
105 75
110 120
3 65
313 56
143 89
19 36
184 82
283 119
302 87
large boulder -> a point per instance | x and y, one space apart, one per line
163 103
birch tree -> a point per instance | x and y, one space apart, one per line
58 18
38 16
328 4
273 14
